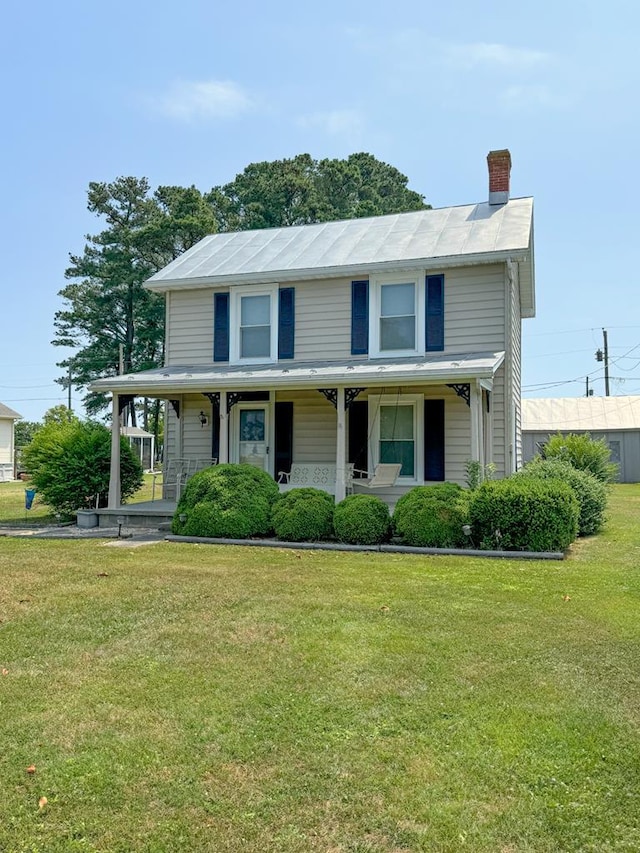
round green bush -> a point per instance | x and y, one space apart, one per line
70 466
362 520
583 452
590 492
524 514
432 516
226 502
303 515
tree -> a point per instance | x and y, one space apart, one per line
69 464
25 431
301 191
110 319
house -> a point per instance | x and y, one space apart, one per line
386 339
7 443
614 419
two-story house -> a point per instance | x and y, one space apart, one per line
387 339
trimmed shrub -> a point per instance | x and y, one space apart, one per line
226 502
524 514
590 492
584 453
70 466
303 515
432 516
362 520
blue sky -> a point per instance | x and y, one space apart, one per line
192 92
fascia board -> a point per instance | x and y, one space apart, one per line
348 271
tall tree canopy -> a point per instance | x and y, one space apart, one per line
107 310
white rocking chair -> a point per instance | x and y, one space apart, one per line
384 476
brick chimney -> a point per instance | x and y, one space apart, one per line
499 163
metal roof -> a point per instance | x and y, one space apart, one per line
6 412
474 233
583 414
164 381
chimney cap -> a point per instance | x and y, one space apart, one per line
499 163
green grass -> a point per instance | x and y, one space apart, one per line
205 698
12 503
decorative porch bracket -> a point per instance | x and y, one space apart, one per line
123 402
234 397
175 404
213 397
350 395
463 391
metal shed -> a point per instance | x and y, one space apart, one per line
614 419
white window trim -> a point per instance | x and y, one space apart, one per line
415 277
237 293
415 400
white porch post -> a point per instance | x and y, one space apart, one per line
475 406
114 474
224 429
341 455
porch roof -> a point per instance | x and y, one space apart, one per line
181 379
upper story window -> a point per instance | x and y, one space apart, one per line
397 303
397 317
254 325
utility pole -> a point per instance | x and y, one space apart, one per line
588 392
69 390
606 363
604 356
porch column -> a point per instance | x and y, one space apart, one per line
475 406
223 455
341 454
114 474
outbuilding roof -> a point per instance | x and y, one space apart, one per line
474 233
581 414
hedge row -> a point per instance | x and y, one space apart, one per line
542 508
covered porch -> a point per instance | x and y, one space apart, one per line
430 415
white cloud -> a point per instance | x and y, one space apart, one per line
349 123
525 97
205 99
466 56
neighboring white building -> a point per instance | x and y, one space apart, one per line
7 442
614 419
385 339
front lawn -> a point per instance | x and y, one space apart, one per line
200 698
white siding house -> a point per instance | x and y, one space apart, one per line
7 444
385 339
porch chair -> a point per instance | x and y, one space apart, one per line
384 476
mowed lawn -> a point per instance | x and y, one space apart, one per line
196 698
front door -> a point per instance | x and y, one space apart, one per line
252 435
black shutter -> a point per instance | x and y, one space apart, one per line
359 317
283 439
286 322
434 285
221 327
358 434
434 440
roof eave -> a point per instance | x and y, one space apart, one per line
344 271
